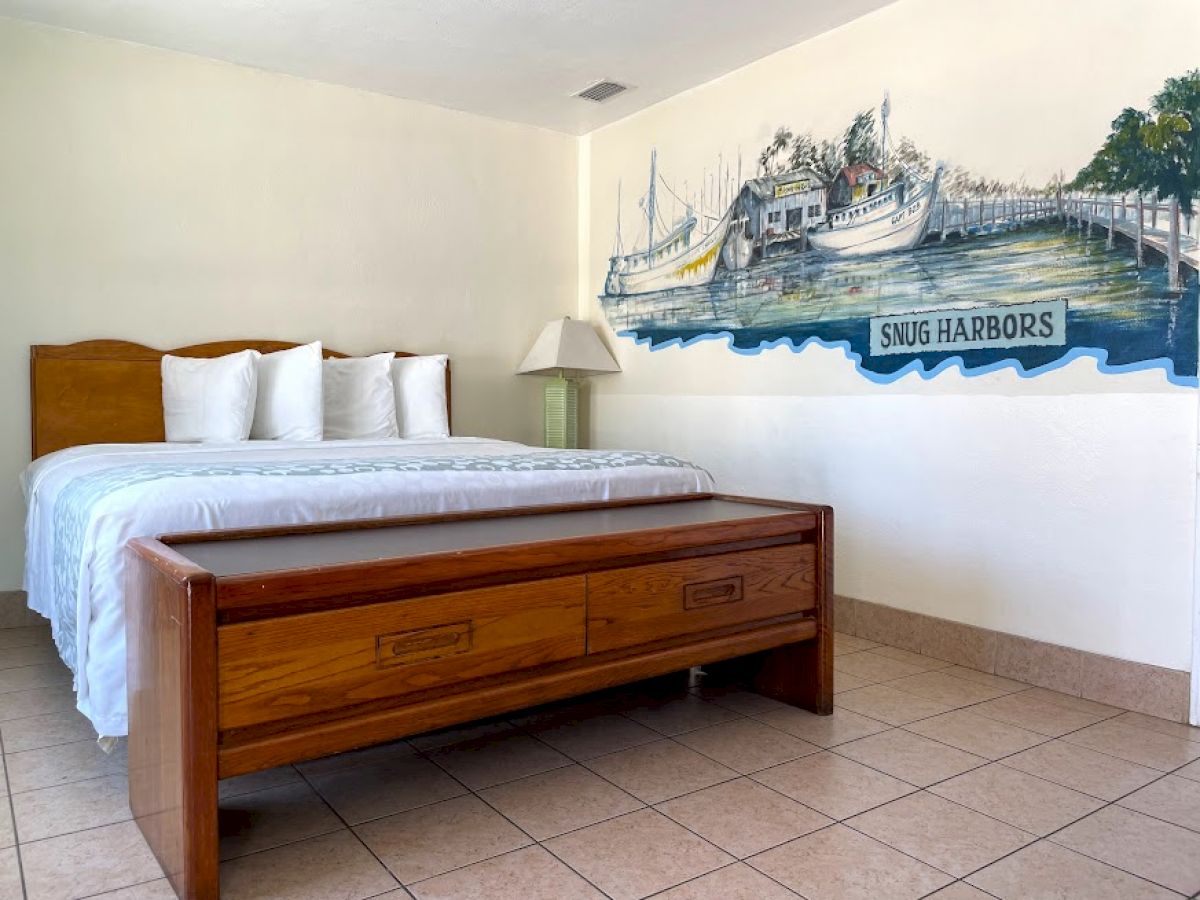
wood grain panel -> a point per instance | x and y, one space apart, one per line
102 392
637 605
171 640
289 742
297 665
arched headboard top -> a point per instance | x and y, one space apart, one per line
110 392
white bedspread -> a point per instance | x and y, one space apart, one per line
85 503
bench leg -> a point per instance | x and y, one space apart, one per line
171 671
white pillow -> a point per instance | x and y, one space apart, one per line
360 401
289 395
209 399
420 384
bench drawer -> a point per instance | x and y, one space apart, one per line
627 607
295 665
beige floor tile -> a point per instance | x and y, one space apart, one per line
637 854
676 715
1162 726
1082 769
558 801
824 731
26 637
72 807
1157 851
660 771
429 841
10 873
844 681
977 734
494 759
890 705
960 890
587 738
1035 714
873 667
746 745
920 660
8 834
846 643
943 834
87 862
1191 770
839 864
57 698
47 730
743 817
27 677
367 756
270 818
257 781
28 655
158 889
833 785
910 757
986 679
736 882
528 874
334 865
361 793
61 764
1137 745
1018 798
1172 798
1046 870
1068 701
946 689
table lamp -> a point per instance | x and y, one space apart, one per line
567 350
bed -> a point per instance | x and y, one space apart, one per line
102 475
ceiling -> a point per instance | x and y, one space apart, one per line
519 60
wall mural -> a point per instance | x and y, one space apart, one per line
865 243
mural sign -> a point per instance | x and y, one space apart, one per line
911 265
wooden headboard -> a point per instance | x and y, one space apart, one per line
110 392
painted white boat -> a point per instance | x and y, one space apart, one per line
738 251
885 222
676 259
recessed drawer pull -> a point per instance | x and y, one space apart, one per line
702 594
422 645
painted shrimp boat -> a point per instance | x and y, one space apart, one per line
892 219
675 259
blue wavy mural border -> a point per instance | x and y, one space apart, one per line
1164 364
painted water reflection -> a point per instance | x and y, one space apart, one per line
1112 306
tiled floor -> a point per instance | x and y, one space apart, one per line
929 780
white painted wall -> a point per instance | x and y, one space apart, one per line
168 199
1061 508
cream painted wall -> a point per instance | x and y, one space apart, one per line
1062 508
168 199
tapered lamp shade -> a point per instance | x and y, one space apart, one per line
566 349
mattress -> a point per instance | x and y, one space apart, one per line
85 503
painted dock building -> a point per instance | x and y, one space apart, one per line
854 184
779 208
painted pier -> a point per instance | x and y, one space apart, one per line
1146 221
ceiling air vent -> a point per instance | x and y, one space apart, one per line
601 91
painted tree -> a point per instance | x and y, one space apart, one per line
768 160
1153 150
860 144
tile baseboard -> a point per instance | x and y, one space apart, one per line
1144 688
14 613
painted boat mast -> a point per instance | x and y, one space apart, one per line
884 111
650 205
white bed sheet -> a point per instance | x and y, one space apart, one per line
85 503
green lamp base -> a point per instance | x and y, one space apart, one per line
562 413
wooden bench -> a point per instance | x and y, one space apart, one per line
254 649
